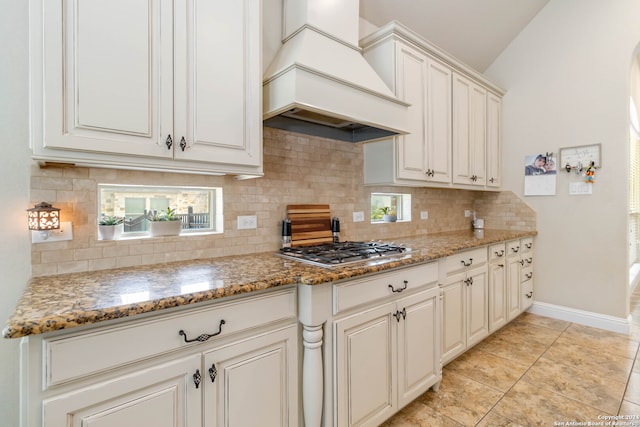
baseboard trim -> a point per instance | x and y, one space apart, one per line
587 318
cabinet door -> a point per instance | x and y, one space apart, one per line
453 323
162 396
438 141
497 295
469 132
106 76
253 382
218 82
477 306
418 352
494 140
412 88
365 366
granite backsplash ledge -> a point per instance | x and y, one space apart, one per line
298 169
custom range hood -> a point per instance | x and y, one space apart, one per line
320 84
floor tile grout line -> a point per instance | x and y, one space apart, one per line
521 376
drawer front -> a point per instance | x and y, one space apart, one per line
68 358
514 247
527 294
526 273
497 251
467 259
383 286
527 244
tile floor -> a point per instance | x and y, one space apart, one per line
537 371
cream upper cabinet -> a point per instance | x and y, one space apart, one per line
454 117
494 140
424 154
148 85
469 131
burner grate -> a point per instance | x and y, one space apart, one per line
333 254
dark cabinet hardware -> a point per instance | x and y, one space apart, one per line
529 275
469 281
528 245
529 294
430 172
516 249
213 372
500 254
202 337
492 180
500 265
521 262
197 378
529 260
183 143
169 142
399 289
399 313
467 264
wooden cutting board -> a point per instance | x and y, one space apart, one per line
310 224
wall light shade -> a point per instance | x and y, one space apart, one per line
44 217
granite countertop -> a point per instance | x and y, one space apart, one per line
52 303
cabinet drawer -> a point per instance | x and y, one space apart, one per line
527 294
514 248
526 273
467 259
497 251
526 244
387 285
72 357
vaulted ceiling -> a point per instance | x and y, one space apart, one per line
474 31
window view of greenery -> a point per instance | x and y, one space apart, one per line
199 208
390 204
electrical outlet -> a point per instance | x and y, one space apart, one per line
467 213
424 215
247 222
65 232
358 216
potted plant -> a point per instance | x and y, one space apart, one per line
389 214
164 223
110 227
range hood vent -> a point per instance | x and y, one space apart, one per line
320 84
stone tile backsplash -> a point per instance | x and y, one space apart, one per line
298 169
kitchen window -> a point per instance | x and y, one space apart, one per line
199 208
397 204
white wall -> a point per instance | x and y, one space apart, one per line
567 77
14 189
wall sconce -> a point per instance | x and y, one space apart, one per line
44 217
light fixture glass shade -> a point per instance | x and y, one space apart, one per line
43 216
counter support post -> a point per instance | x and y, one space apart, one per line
312 375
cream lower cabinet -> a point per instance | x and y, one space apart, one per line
159 85
161 396
385 358
498 290
465 299
145 373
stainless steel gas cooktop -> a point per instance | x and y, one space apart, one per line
336 254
